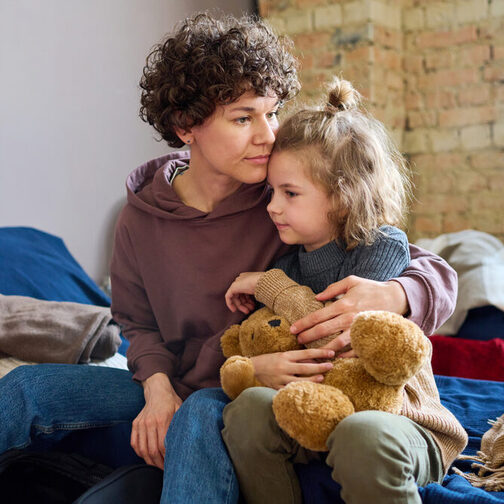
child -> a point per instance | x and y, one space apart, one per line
339 185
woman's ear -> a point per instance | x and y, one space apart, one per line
185 135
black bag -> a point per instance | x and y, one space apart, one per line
63 478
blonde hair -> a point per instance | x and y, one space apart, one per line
352 156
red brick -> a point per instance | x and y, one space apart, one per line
329 59
447 161
447 38
467 116
453 223
488 160
495 73
450 77
498 52
476 55
387 58
430 224
413 100
387 37
439 59
309 41
360 54
413 63
422 119
474 95
441 98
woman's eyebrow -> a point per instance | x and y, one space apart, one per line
249 109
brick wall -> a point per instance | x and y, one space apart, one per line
433 72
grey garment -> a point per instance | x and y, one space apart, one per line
375 456
57 332
387 257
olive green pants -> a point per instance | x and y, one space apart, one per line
376 457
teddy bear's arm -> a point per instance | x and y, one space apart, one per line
230 341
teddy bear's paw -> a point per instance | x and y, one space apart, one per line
391 347
237 374
309 412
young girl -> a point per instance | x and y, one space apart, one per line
338 186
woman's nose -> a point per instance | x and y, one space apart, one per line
266 132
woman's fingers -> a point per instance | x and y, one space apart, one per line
330 327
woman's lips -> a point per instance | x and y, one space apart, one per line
258 159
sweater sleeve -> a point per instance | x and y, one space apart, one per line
147 353
430 285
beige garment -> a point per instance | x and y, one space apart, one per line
57 332
421 401
490 459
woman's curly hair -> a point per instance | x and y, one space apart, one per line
209 62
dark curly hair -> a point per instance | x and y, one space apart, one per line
209 62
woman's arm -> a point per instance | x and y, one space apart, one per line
425 292
148 358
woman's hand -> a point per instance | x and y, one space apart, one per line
359 294
239 295
278 369
151 425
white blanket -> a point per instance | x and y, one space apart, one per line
478 259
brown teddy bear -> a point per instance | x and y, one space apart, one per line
390 350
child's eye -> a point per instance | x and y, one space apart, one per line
290 194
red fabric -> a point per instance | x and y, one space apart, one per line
465 358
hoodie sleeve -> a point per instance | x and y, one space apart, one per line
431 288
147 353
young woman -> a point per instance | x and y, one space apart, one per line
194 220
338 187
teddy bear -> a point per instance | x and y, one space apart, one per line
390 351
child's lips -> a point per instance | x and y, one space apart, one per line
281 226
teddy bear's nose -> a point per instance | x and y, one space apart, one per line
274 323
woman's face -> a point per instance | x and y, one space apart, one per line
236 140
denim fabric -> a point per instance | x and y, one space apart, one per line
70 408
89 410
197 465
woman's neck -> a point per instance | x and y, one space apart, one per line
203 189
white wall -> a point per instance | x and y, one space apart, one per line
69 98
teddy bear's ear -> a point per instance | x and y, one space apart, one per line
230 341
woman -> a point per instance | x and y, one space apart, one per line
190 226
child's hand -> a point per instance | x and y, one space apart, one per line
278 369
239 295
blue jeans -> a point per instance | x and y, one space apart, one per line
89 410
197 465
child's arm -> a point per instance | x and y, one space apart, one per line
240 293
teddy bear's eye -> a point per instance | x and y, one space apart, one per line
274 323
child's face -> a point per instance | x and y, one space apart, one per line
298 207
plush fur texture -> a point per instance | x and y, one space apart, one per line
390 349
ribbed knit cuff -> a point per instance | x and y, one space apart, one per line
271 284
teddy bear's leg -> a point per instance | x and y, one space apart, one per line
309 412
237 374
391 348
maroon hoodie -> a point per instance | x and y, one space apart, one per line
172 265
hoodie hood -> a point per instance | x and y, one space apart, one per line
149 190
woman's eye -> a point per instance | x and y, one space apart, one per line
272 115
242 120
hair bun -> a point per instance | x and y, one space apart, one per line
342 95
